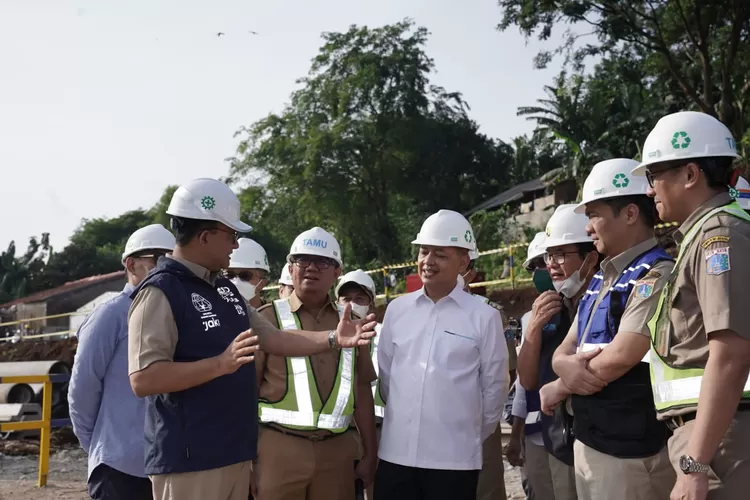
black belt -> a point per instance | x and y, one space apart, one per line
309 437
675 423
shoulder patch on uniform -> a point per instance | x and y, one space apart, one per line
714 239
651 275
644 288
717 261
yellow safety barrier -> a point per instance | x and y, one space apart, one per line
40 318
45 424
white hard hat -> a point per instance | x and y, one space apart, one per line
686 135
612 179
153 237
208 199
359 277
741 193
316 241
446 228
474 254
536 248
286 276
566 227
249 255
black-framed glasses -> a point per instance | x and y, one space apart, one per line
557 257
153 257
320 262
651 176
245 275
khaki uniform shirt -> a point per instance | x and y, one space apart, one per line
706 299
638 308
271 370
152 330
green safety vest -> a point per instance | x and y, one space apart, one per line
675 387
379 403
302 408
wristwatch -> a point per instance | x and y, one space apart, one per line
688 465
332 340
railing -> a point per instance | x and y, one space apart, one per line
46 424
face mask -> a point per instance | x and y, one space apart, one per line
247 289
361 311
573 284
461 280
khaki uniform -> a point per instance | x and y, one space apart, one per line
152 337
706 301
313 465
599 475
491 484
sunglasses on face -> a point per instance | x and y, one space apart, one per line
320 262
244 275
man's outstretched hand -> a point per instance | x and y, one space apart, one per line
355 332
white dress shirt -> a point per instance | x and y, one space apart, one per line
444 377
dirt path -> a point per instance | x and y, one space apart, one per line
67 478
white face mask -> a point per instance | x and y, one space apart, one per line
247 289
461 281
572 285
361 311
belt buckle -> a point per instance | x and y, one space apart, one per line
675 423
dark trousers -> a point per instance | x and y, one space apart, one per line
107 483
397 482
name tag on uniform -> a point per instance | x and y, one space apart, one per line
717 261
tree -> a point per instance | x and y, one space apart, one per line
18 275
367 148
700 46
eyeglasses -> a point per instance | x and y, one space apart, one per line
150 256
651 176
234 234
320 262
557 257
245 275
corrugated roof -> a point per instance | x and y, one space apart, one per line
67 287
512 194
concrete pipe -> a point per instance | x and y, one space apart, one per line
26 368
57 394
16 394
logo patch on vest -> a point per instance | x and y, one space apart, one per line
204 307
717 261
715 239
227 294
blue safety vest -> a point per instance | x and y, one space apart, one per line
620 420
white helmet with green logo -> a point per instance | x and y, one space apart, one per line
249 255
611 179
684 136
741 193
208 199
446 228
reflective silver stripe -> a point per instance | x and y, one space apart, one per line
336 420
379 411
533 417
586 347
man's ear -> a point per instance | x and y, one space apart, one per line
693 172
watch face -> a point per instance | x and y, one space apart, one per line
685 463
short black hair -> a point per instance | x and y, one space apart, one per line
185 230
718 171
584 248
646 207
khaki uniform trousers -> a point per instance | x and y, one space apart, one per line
370 490
729 477
600 476
296 468
549 478
225 483
491 484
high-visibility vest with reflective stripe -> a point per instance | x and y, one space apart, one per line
302 408
379 403
675 387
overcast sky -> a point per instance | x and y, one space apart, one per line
103 103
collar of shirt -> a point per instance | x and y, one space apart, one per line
613 267
197 269
719 200
457 295
295 303
128 289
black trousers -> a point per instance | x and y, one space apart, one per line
397 482
107 483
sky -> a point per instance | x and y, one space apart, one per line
103 103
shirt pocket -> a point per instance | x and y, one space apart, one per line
456 345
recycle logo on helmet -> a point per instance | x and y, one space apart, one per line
620 180
208 203
680 140
734 193
468 237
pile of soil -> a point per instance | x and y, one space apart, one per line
40 350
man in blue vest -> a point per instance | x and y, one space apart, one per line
620 449
700 350
107 417
191 353
571 260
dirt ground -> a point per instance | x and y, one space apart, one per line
67 477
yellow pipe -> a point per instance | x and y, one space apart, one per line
45 434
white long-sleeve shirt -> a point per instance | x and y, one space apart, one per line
444 377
